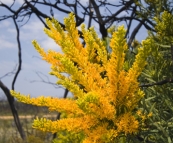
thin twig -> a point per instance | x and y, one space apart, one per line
158 83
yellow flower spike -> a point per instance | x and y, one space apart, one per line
69 124
72 31
56 104
140 60
72 87
24 99
55 31
106 94
38 48
118 45
50 57
127 124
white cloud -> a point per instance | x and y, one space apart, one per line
11 1
8 35
50 44
20 1
82 1
7 1
12 31
32 30
6 44
34 26
5 23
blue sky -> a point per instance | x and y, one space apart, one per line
31 62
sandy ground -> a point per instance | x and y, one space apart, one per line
25 117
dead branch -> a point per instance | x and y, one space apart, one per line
19 54
10 99
162 82
47 81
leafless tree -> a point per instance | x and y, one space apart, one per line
105 13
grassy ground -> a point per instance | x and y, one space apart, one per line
8 130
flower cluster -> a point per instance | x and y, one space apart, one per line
105 93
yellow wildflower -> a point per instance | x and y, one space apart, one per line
105 93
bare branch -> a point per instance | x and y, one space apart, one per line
130 21
103 29
19 53
135 31
125 7
7 7
13 109
91 14
9 73
158 83
59 114
40 74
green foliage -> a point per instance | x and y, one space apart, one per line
164 28
68 137
37 137
153 8
158 98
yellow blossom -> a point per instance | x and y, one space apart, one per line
105 93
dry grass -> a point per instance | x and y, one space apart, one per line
27 113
